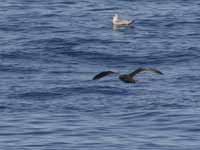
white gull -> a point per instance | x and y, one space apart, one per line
120 22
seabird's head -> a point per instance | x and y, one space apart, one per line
115 17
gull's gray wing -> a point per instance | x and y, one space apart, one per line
123 22
102 74
132 74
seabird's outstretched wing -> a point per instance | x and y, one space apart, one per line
132 74
102 74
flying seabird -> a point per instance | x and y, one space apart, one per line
119 22
127 78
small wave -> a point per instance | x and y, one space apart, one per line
165 58
61 92
182 23
103 9
94 89
18 55
68 2
39 95
11 28
18 69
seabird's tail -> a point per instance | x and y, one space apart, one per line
131 22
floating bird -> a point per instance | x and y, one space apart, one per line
119 22
127 78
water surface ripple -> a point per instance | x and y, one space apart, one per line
50 50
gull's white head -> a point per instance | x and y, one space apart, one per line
115 18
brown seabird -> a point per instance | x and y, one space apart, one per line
127 78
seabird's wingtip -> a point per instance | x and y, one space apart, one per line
131 22
94 78
157 71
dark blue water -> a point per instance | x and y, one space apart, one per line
50 50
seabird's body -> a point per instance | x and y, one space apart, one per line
119 22
127 78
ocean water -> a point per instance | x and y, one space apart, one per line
50 51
